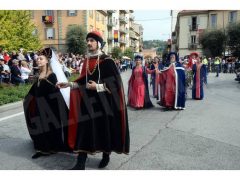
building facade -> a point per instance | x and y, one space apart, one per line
191 24
52 27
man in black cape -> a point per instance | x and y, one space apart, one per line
98 120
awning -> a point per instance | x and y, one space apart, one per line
125 57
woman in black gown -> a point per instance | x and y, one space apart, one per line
45 111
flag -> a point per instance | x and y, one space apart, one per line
115 35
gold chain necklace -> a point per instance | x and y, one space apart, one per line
95 66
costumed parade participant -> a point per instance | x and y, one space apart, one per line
138 93
154 77
191 61
46 108
172 84
199 77
98 120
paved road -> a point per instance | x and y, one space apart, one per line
204 136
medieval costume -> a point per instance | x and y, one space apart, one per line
138 93
172 85
46 113
199 77
154 76
98 120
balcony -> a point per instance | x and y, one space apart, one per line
193 28
131 28
103 12
123 30
131 17
110 11
123 20
47 19
123 11
123 41
133 36
192 46
110 37
110 24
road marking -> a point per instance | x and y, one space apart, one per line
11 116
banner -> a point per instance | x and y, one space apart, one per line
115 35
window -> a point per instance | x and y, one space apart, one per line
72 13
213 20
194 23
49 33
193 39
232 16
49 12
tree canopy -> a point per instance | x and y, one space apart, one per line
129 53
75 39
234 39
18 31
116 52
213 43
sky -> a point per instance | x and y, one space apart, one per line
156 23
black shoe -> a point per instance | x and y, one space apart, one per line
39 154
78 167
81 160
104 162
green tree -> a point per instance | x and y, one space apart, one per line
213 43
116 52
17 31
75 39
233 32
129 53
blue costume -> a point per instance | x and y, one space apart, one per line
172 84
199 77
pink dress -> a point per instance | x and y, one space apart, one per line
136 92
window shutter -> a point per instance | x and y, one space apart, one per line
76 12
67 12
45 33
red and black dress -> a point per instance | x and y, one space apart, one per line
46 116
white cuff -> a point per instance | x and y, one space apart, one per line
100 88
73 85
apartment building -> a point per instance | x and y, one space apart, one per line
116 26
191 24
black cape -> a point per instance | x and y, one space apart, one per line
98 121
46 116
